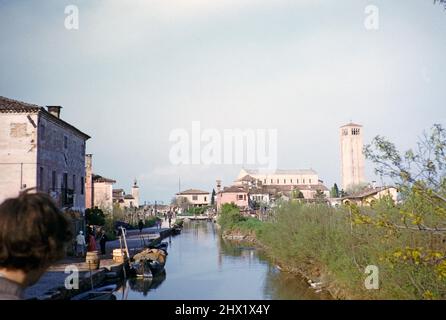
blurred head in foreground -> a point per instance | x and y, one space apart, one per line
33 235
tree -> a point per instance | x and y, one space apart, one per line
95 216
297 194
319 196
441 2
427 164
181 202
420 176
213 197
334 193
356 188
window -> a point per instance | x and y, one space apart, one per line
310 181
74 183
284 181
53 180
65 181
297 181
271 180
264 181
195 198
239 197
205 199
355 131
278 181
41 179
303 181
345 132
291 181
65 142
82 185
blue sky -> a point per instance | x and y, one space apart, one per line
135 70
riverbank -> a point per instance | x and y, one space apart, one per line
308 270
332 247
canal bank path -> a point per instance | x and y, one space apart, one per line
51 284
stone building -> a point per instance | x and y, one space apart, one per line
352 156
197 198
103 192
238 195
370 195
124 200
40 150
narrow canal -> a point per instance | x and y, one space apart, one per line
202 266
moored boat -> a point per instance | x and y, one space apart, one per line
149 262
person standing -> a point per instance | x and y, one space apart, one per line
169 215
80 244
102 241
140 225
91 243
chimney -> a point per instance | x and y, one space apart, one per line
54 110
218 185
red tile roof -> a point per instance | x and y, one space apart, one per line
8 105
98 178
192 191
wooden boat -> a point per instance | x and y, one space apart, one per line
161 246
149 263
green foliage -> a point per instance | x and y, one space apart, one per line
179 222
319 196
150 222
356 188
197 210
95 216
334 192
297 194
229 216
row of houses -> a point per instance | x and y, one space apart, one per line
101 194
41 151
254 190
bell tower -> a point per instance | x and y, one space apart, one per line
352 157
135 193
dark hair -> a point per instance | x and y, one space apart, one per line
33 232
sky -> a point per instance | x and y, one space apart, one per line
136 70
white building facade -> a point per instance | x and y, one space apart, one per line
197 198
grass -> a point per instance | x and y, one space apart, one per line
313 237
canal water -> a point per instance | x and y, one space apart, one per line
202 266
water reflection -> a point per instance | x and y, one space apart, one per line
201 265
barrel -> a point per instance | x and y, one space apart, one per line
92 260
118 256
